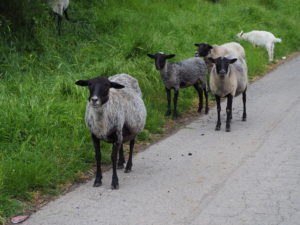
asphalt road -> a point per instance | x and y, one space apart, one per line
250 176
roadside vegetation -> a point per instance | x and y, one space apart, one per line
43 139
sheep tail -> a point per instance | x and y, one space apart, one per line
277 40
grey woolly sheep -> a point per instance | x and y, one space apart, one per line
115 113
228 78
176 75
59 9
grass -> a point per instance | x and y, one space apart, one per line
43 138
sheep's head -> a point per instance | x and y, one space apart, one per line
203 49
239 35
160 59
99 89
222 64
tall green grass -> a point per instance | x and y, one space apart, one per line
43 139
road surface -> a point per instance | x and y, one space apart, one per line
250 176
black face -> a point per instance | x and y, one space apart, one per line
203 49
222 64
160 59
99 89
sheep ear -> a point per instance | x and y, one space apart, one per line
116 85
170 56
151 56
82 83
211 60
232 61
209 46
197 45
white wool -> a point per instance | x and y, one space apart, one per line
231 48
58 6
261 38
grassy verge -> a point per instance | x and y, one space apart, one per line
43 139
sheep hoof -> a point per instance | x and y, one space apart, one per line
97 183
218 127
127 170
227 129
168 113
199 110
175 116
206 110
121 166
115 186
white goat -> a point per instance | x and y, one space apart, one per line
262 39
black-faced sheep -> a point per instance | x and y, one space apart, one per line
214 51
228 78
115 113
176 75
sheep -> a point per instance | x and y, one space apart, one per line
261 38
181 74
214 51
59 10
115 113
228 78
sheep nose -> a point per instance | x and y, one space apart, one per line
222 72
94 99
196 54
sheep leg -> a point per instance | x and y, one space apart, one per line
175 115
129 162
59 19
66 15
244 104
168 113
218 126
200 94
121 158
115 180
98 180
206 100
53 15
229 112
